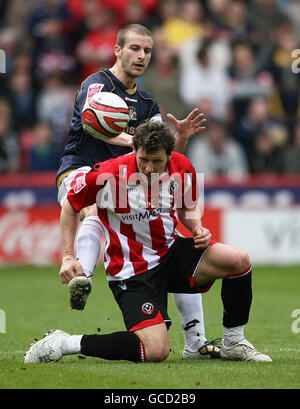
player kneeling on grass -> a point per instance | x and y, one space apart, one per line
140 197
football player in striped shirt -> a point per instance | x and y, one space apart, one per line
140 197
133 53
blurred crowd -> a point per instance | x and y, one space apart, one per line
234 59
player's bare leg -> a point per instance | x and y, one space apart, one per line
233 266
156 342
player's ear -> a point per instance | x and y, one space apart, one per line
117 50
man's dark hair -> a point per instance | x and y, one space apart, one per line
136 28
153 136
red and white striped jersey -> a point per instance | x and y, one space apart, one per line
139 218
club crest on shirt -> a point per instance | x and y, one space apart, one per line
173 187
78 183
147 308
132 113
94 89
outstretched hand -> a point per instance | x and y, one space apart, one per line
191 125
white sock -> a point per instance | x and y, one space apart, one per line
191 312
71 344
88 244
233 335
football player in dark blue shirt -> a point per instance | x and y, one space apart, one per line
83 149
133 53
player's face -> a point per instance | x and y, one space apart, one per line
151 163
135 56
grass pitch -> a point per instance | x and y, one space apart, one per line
33 300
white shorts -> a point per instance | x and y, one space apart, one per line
65 185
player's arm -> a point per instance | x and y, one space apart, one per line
186 128
191 219
70 267
82 194
87 90
189 208
124 139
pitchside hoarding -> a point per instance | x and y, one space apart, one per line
261 215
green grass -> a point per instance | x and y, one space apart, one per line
34 301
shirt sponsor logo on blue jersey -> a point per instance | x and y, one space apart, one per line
130 99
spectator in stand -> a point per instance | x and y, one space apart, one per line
292 9
55 105
134 12
16 13
258 118
265 15
286 81
291 156
216 10
121 8
206 80
43 156
185 25
16 84
13 33
214 153
247 80
162 77
95 50
22 61
9 143
219 49
8 43
137 11
167 11
22 100
48 25
268 157
234 24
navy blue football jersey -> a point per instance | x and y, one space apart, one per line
83 149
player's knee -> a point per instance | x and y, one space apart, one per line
155 341
157 352
241 261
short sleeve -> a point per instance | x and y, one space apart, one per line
85 186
